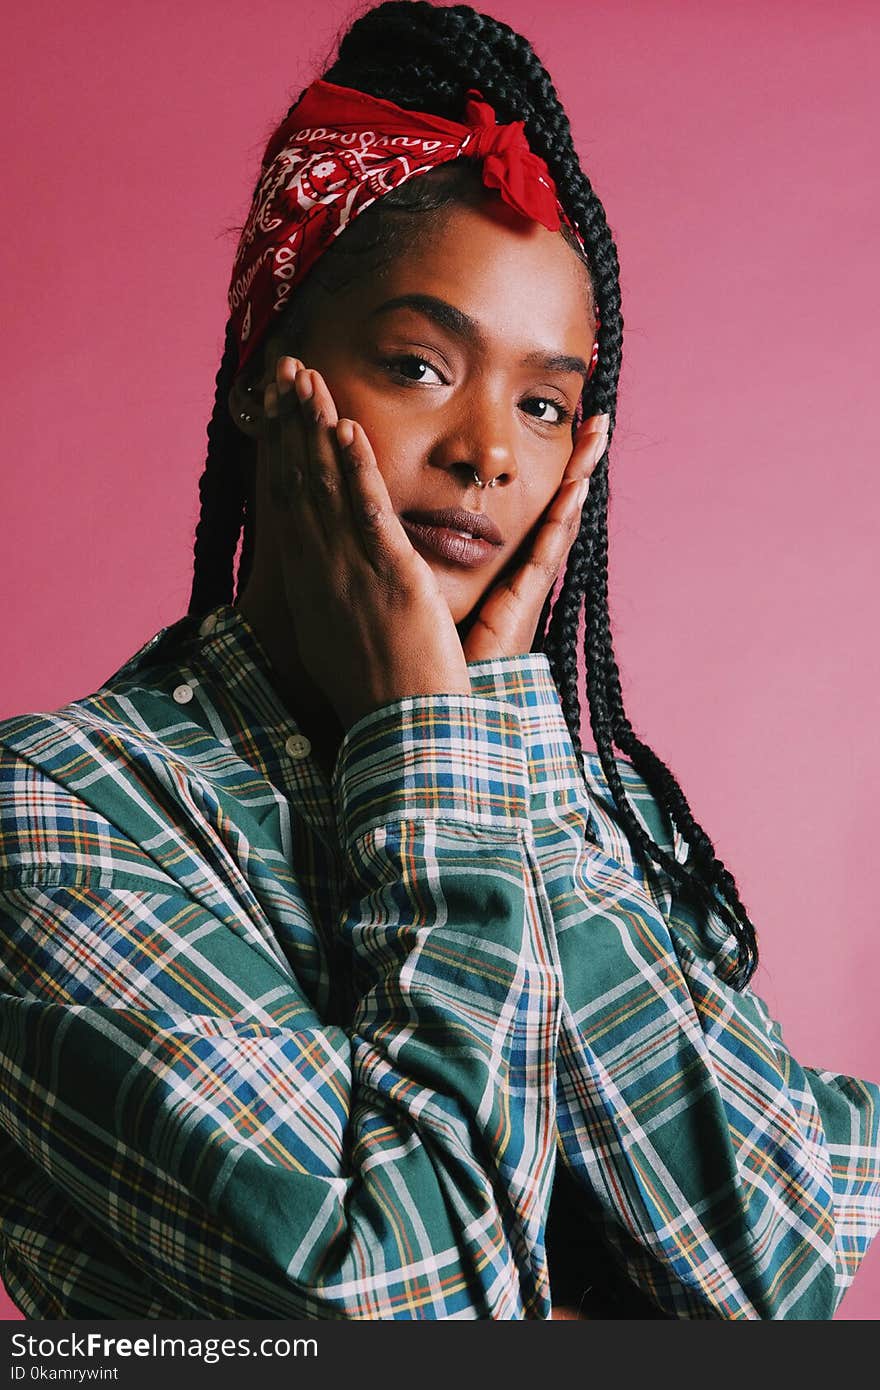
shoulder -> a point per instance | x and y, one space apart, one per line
66 774
134 705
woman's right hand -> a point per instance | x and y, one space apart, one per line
370 621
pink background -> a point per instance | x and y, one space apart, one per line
734 146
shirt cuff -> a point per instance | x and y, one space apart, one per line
526 684
428 757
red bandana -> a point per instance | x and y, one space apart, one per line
337 152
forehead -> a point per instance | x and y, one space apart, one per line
520 282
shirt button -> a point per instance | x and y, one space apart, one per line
208 625
183 694
298 746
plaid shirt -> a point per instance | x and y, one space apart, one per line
280 1044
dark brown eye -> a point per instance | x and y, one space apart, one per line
548 411
414 368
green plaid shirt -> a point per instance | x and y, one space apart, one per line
281 1044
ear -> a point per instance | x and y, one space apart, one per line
246 394
246 404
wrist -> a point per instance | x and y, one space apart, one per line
433 757
350 712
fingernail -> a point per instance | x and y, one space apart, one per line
582 491
304 387
345 433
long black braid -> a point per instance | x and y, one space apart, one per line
226 490
425 57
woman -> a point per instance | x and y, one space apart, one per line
338 981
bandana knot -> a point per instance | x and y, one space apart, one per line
509 165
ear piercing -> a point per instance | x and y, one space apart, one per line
245 418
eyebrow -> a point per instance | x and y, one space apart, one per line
460 323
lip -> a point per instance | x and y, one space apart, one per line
436 531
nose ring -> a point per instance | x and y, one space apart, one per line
481 484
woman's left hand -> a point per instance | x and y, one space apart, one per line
504 622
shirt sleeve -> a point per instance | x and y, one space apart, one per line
729 1180
172 1083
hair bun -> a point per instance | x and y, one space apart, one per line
423 51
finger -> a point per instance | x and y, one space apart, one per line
323 481
597 423
284 435
532 581
383 539
528 583
589 445
559 525
286 368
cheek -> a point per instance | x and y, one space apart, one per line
536 494
401 440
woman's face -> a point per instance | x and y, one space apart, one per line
467 352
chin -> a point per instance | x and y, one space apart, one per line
463 588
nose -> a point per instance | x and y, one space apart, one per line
476 442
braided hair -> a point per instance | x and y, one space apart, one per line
426 57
